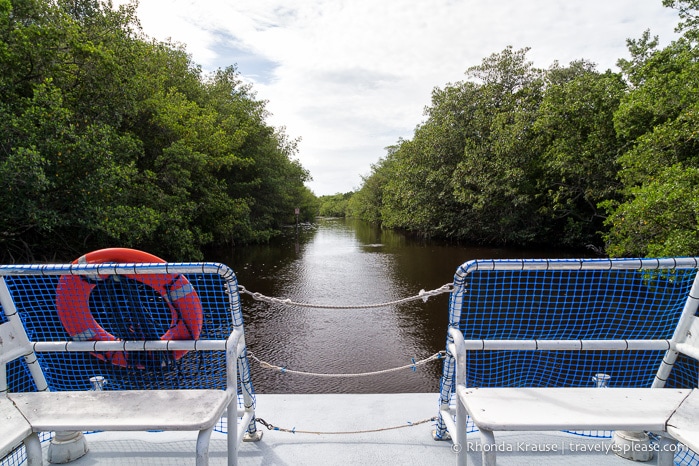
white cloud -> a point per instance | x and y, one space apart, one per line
351 77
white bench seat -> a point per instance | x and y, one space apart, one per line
669 412
684 423
23 414
15 429
549 409
123 410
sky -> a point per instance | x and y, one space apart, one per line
352 77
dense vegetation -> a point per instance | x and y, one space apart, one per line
567 156
334 205
108 138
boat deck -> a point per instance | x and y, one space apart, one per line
341 413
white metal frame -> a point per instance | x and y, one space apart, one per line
14 428
678 412
44 409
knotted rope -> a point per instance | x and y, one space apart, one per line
366 431
413 366
424 295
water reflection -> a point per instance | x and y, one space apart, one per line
345 262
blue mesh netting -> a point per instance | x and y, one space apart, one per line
116 305
494 300
564 304
130 307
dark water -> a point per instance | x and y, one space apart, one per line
349 263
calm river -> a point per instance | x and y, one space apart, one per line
346 262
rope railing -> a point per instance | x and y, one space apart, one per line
294 430
424 295
413 366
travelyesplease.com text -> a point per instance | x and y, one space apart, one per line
567 446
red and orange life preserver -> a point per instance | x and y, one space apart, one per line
73 297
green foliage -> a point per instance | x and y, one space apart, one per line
659 171
514 155
579 151
366 203
688 14
110 139
658 118
660 219
497 172
308 204
565 157
334 205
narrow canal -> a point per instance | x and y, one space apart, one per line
346 262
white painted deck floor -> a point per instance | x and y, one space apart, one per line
345 412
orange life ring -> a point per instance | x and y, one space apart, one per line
73 296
